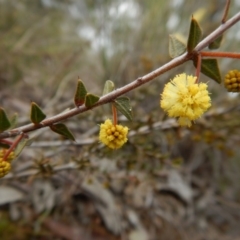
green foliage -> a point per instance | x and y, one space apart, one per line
62 129
216 44
195 34
210 68
13 120
36 113
123 105
80 93
176 47
108 87
4 121
21 145
91 99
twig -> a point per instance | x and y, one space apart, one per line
226 9
127 88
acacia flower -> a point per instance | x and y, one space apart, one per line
114 136
185 99
5 167
10 157
232 81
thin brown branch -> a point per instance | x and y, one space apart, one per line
226 9
127 88
104 99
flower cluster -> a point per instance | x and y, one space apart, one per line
113 136
183 98
5 165
232 81
10 157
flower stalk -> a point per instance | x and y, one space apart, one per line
114 113
198 68
14 144
220 54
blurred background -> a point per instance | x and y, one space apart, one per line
166 182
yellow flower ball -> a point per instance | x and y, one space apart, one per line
5 167
10 157
113 136
183 98
232 81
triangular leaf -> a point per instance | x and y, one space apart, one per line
4 121
91 99
123 105
36 114
195 34
108 87
176 47
210 68
61 129
13 120
80 93
216 43
21 145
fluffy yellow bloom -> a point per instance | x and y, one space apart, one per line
185 99
5 167
114 136
232 81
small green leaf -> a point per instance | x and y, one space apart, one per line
13 120
4 121
176 47
108 87
195 34
91 99
21 145
37 114
61 129
123 105
210 68
216 44
80 93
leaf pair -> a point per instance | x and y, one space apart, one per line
82 96
177 47
37 116
122 104
209 67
